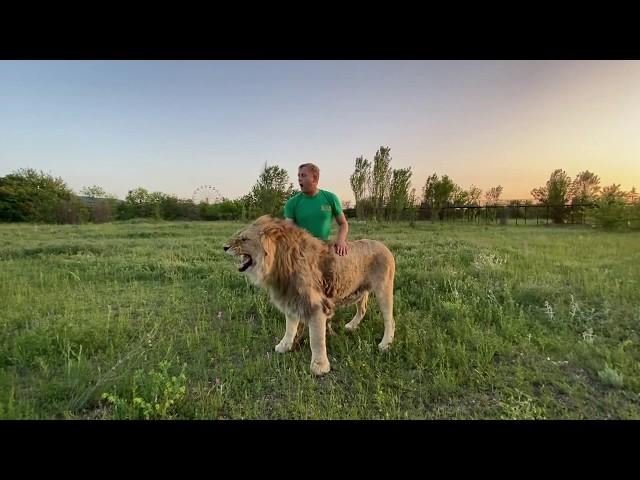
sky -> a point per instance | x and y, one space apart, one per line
173 126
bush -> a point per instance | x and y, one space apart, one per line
225 210
609 215
102 211
634 215
71 211
611 377
172 208
30 196
615 215
153 395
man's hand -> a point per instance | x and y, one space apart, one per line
341 248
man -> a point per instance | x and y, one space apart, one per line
313 209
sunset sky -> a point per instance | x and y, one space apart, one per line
172 126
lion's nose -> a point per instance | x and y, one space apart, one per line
226 247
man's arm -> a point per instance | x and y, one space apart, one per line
290 220
341 243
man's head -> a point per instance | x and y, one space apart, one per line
308 176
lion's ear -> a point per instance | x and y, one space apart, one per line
263 219
273 230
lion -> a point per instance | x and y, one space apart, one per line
306 280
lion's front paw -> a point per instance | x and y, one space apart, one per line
320 368
283 347
384 345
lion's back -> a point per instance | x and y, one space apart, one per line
367 264
370 250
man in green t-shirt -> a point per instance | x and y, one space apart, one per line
313 209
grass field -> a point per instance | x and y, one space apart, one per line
152 320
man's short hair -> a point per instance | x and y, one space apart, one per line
313 168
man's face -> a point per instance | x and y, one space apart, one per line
307 181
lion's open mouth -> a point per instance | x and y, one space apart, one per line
245 262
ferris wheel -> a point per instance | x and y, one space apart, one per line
207 194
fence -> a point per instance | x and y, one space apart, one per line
573 214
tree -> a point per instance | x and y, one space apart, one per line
412 207
224 210
271 190
555 194
459 196
137 196
94 191
360 184
473 195
101 204
613 194
585 188
380 179
71 210
399 191
491 197
633 202
429 190
27 195
611 210
139 203
437 193
584 191
174 208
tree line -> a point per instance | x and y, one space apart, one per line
27 195
381 193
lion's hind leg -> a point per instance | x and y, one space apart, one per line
384 296
301 333
361 305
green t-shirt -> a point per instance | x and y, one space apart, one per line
314 214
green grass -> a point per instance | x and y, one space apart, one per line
152 320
